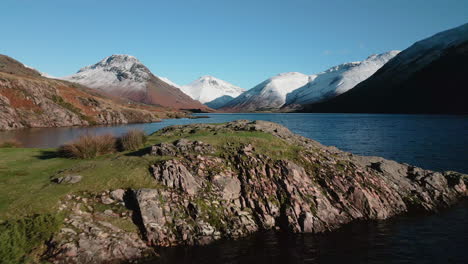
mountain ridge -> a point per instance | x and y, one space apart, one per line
125 76
291 90
269 94
338 79
429 77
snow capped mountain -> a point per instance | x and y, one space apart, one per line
338 79
270 94
126 76
117 72
428 50
428 77
208 88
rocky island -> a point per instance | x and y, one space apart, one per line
194 184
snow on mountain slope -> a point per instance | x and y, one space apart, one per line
338 79
270 94
126 76
429 77
208 88
168 81
117 72
424 52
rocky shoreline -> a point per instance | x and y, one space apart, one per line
230 189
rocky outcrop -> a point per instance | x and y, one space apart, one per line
175 175
229 189
204 197
94 235
181 146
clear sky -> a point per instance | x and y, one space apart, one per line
243 42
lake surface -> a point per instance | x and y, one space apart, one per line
429 141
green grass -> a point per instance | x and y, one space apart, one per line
264 143
25 174
25 178
29 199
19 239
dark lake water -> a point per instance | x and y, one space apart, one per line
436 238
429 141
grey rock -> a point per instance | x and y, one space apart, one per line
230 186
181 147
118 195
107 200
174 174
95 241
108 212
69 179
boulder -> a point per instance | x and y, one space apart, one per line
174 174
117 195
69 179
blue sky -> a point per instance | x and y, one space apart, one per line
243 42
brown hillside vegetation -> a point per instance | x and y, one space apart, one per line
29 100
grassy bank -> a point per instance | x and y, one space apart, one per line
25 173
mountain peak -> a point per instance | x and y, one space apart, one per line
119 70
209 80
208 88
121 57
125 76
207 77
120 61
